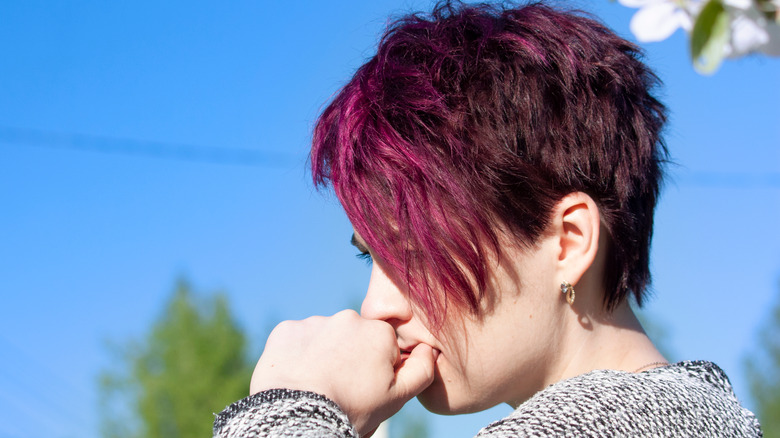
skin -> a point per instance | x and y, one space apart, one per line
526 337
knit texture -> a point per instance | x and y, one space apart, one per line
283 413
686 399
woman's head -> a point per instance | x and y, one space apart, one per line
474 121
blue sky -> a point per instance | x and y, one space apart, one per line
123 128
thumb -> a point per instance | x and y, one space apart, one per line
416 373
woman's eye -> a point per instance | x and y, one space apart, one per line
365 256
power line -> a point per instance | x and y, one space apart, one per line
731 180
253 157
152 149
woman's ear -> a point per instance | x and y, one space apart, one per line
576 224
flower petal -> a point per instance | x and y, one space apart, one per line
772 47
658 21
739 4
639 3
747 34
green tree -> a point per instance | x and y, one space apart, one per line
762 368
190 365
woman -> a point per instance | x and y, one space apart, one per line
501 168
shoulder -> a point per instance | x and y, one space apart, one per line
690 398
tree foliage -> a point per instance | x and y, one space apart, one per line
763 373
191 364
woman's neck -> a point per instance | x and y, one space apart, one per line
607 340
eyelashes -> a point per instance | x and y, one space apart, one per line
365 255
362 250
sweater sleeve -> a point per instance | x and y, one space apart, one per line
283 413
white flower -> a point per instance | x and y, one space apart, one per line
739 4
772 47
656 20
751 31
728 28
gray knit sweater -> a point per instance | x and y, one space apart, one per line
687 399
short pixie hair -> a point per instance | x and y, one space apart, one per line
478 118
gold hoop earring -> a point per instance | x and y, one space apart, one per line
568 290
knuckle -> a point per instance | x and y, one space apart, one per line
283 327
316 319
384 328
346 314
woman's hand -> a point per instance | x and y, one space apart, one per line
351 360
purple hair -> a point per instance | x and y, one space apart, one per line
477 118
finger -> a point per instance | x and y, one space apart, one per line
416 373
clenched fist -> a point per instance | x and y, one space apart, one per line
356 362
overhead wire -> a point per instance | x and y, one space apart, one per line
273 159
153 149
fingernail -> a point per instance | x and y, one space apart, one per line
435 354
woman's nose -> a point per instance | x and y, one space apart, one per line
384 300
